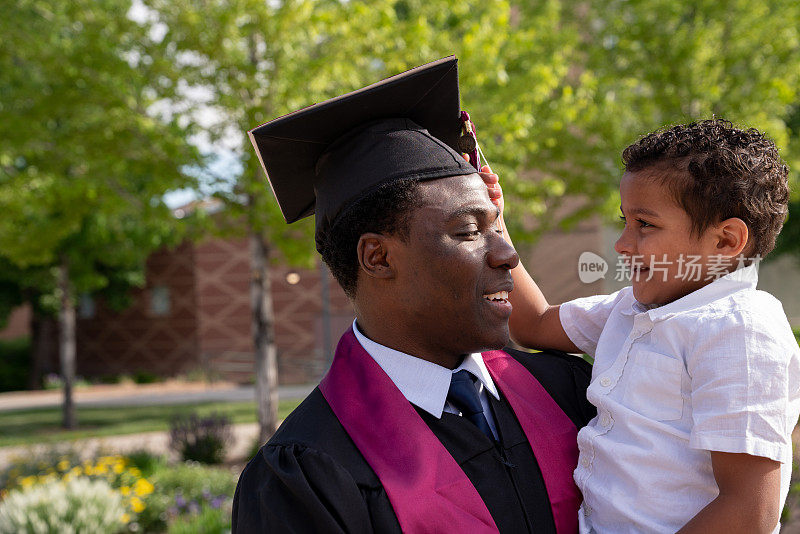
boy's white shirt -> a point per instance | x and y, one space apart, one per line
717 370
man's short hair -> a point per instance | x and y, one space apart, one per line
387 210
715 172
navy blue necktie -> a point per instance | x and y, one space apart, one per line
463 395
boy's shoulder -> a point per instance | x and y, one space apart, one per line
762 308
751 316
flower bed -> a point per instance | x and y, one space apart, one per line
141 493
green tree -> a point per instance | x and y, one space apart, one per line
90 146
556 88
656 62
258 60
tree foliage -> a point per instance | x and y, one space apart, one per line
85 158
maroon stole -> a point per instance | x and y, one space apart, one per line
427 489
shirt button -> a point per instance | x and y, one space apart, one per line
585 461
605 381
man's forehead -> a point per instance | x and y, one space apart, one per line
454 190
455 197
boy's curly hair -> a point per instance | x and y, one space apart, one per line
715 172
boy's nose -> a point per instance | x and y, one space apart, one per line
624 245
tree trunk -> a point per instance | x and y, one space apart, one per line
266 353
66 342
327 339
44 331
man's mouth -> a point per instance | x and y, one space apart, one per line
500 296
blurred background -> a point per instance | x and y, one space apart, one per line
154 306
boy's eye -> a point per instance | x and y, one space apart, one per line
642 223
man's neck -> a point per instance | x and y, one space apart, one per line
399 341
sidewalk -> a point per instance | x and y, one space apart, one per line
166 393
170 392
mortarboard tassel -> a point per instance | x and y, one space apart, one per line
468 142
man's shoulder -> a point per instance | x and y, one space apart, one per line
544 361
564 376
308 424
312 429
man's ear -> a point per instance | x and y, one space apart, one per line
374 255
732 235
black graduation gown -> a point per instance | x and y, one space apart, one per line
310 477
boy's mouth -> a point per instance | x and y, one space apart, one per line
637 270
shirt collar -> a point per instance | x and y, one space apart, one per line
423 383
737 280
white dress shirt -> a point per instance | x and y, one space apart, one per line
716 370
425 384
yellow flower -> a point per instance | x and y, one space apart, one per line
63 465
119 467
76 471
126 518
101 469
125 490
137 505
135 472
142 487
27 481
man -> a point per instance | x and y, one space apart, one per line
412 429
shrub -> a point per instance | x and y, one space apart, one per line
202 439
34 465
55 506
185 489
115 471
15 364
147 462
210 519
146 377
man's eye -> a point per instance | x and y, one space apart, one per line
643 224
469 233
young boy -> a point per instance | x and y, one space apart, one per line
696 373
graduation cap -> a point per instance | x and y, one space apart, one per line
322 159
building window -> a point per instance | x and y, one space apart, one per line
159 300
86 307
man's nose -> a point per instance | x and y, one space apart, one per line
502 255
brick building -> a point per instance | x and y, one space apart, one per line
194 312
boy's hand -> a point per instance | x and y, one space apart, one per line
492 182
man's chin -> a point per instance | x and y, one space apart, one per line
495 341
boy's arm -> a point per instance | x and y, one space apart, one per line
533 323
749 495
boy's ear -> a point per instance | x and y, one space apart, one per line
373 255
732 235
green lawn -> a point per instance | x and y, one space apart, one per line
43 425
